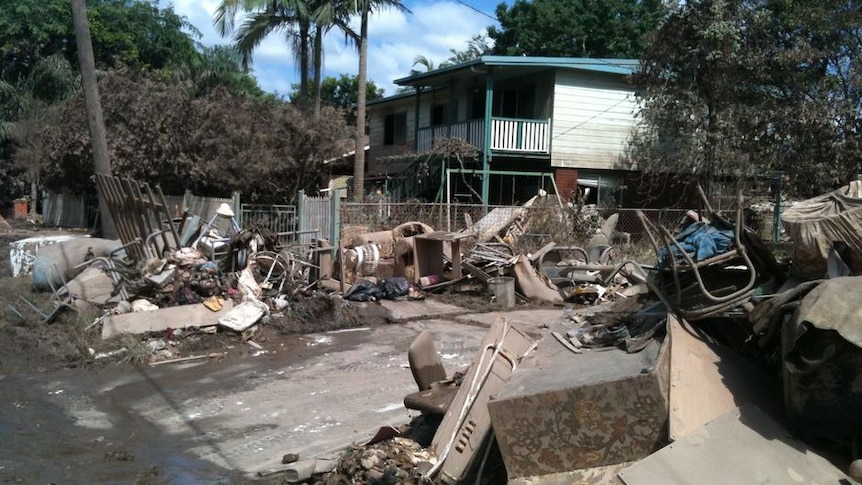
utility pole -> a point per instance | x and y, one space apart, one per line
98 140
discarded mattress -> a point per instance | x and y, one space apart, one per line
815 224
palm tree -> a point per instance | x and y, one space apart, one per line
290 17
364 8
25 107
327 14
296 18
423 61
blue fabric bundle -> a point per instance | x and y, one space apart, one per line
700 241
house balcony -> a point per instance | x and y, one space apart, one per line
511 135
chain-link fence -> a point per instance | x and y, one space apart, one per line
529 227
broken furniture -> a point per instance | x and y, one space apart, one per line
462 436
141 215
217 247
706 269
429 254
564 411
435 394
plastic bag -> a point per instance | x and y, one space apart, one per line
364 290
394 287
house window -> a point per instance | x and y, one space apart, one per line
444 113
395 129
477 108
515 103
438 112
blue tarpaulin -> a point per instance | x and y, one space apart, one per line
700 241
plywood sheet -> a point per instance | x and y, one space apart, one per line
743 447
708 381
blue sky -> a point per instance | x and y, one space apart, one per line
395 39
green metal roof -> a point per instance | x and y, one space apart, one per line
610 66
390 98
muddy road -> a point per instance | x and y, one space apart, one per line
220 420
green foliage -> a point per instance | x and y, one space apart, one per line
213 144
342 92
575 28
221 67
124 32
477 47
734 89
38 52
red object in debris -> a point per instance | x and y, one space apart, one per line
431 279
169 333
21 208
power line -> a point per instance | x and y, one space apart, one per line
477 10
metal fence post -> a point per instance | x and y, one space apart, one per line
776 224
187 200
237 207
335 217
301 211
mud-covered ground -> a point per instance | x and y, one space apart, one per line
27 344
73 340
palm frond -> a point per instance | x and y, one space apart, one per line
256 28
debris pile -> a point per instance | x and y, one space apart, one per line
642 355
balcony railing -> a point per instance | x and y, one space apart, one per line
507 135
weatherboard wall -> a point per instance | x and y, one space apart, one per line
593 118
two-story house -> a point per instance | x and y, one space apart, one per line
536 123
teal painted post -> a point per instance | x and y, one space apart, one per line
416 121
519 138
486 152
450 108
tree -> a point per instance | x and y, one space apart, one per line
575 28
134 33
342 92
426 63
477 47
262 18
364 8
296 19
25 108
38 48
327 15
221 66
212 144
731 90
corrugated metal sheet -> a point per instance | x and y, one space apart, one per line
204 207
316 215
64 210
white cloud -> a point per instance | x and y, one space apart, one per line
395 39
